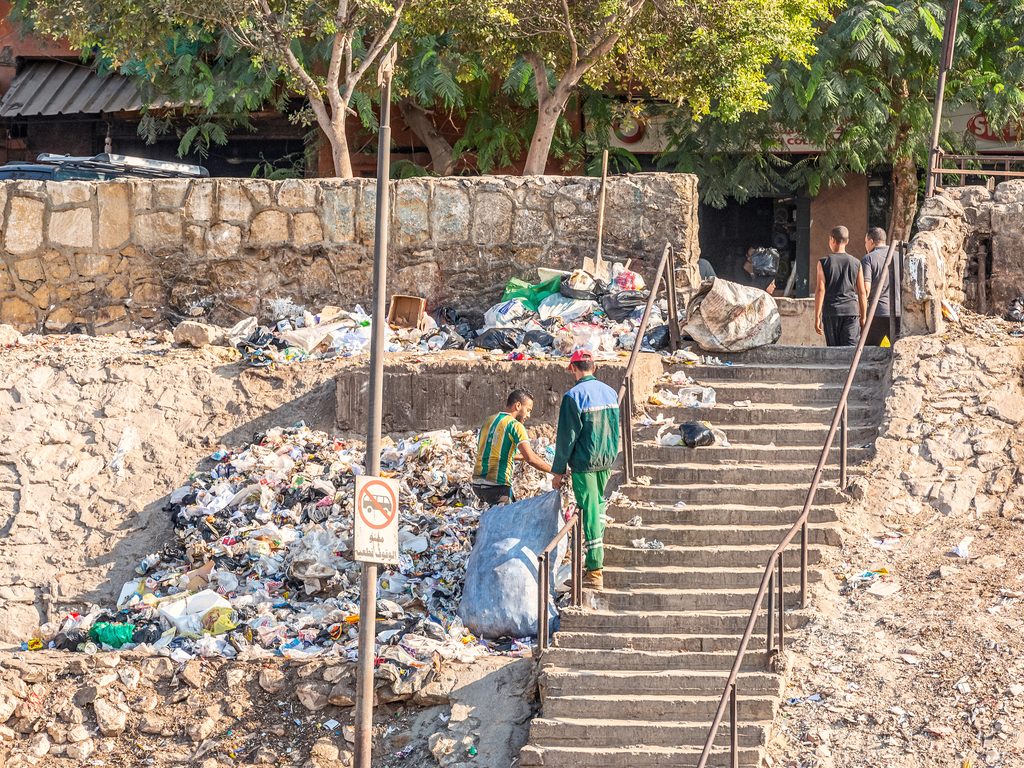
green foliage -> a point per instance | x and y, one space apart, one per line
865 98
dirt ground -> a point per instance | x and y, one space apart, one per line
931 675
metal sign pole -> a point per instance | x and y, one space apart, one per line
368 582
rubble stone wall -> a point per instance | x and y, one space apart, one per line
955 229
108 255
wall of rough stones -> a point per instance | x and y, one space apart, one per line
955 229
108 255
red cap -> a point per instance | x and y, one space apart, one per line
581 356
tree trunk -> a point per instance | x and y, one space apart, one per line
548 112
904 198
442 158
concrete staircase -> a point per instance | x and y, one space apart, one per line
633 679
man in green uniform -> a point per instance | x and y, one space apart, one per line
502 438
587 445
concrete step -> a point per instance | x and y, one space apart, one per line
760 393
803 373
781 354
649 452
556 681
686 470
700 557
720 514
614 733
669 599
532 756
718 535
651 661
769 435
725 415
658 708
675 577
668 622
654 642
764 494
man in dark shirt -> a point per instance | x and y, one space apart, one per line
874 259
840 300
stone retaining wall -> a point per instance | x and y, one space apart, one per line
956 228
110 255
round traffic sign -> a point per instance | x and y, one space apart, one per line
376 504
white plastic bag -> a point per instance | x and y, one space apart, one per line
505 314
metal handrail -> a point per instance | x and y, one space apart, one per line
625 395
776 560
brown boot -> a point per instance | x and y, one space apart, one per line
593 580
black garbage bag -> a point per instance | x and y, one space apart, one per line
619 306
543 338
656 338
696 434
455 339
500 338
765 261
1016 309
594 293
70 640
446 316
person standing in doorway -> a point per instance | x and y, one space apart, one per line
875 251
840 300
587 445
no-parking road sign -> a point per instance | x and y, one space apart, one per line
376 524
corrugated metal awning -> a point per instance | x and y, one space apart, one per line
47 88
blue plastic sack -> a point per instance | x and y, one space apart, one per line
499 598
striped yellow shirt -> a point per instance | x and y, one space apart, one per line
500 437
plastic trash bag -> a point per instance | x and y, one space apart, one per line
505 314
619 306
765 262
541 338
505 339
567 309
696 434
656 338
728 317
580 285
627 280
530 295
499 598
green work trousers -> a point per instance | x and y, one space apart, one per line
588 488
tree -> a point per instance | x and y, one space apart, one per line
867 100
320 52
706 54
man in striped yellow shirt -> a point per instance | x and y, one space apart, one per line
503 438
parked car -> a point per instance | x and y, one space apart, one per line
99 168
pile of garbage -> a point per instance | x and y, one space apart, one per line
570 311
261 563
548 319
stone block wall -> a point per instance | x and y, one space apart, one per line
956 228
109 255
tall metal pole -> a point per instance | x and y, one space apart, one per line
368 580
948 44
599 256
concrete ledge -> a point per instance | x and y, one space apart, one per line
461 389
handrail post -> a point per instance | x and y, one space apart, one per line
673 305
844 429
892 303
542 602
782 608
803 565
626 426
771 616
734 751
577 562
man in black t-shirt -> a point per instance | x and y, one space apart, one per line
840 300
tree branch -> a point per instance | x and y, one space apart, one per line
337 53
374 51
540 74
573 47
